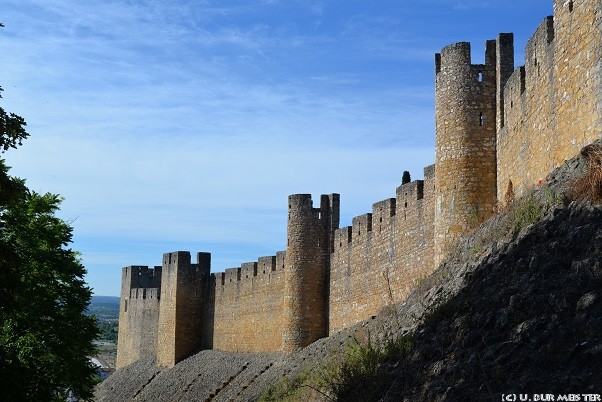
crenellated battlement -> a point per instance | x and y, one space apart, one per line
370 265
361 226
249 272
494 124
140 276
232 275
145 293
456 60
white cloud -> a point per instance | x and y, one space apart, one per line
174 125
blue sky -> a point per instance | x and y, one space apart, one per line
184 125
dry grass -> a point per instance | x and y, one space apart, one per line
590 185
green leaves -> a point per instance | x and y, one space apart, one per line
43 330
12 129
45 337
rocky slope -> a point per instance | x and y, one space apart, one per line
527 320
517 309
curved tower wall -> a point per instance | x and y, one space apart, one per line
465 155
309 243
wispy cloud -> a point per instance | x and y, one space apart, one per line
468 5
174 125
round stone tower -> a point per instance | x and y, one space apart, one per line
465 159
306 269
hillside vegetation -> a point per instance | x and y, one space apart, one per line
516 309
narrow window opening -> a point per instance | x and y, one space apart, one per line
341 244
405 205
480 119
480 76
571 6
125 306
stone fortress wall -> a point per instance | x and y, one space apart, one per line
246 307
138 313
378 259
494 124
552 105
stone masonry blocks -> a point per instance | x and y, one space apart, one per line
494 124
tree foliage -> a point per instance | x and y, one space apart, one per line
405 178
44 336
12 129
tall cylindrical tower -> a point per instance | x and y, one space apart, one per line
306 269
465 160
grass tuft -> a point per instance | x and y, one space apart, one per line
362 371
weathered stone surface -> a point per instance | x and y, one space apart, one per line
494 126
138 314
553 104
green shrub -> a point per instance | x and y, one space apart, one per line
527 212
360 372
287 389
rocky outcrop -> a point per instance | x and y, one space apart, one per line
527 319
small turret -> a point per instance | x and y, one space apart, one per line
465 161
309 244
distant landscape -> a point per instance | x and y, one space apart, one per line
106 310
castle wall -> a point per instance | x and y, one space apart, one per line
142 324
138 314
378 259
494 125
246 307
553 104
527 140
578 75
